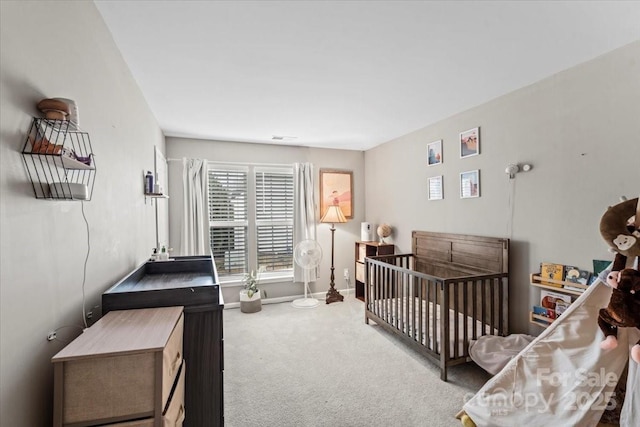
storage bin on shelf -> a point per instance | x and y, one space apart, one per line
59 160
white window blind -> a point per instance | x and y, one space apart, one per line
228 224
274 219
251 219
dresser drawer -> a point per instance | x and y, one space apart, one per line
360 272
362 252
175 413
126 382
171 359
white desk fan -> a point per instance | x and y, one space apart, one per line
307 254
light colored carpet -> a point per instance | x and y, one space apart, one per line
325 367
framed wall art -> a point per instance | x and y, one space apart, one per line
336 188
470 142
470 184
435 188
434 153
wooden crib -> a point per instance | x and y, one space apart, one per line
451 289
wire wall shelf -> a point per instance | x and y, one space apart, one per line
59 160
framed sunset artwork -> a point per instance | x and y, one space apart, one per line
336 188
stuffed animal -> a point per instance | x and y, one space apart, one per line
619 227
623 309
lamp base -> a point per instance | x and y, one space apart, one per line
334 296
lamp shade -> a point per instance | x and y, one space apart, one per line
333 215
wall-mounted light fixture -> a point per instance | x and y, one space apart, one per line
512 169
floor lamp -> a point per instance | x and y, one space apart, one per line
333 215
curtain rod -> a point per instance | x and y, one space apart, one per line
240 163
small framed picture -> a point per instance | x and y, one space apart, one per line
470 142
435 188
470 184
434 153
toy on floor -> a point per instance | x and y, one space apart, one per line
620 228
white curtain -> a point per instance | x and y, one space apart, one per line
304 214
194 238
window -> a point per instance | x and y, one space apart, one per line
228 222
251 220
274 219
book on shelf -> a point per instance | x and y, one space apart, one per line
544 312
549 299
550 270
592 279
576 275
599 266
561 307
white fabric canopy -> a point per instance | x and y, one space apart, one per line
562 378
493 352
194 236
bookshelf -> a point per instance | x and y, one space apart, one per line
542 283
363 250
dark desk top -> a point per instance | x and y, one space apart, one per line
153 282
186 281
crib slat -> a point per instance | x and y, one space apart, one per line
377 290
444 328
420 330
404 302
425 301
404 324
483 305
500 308
465 302
383 301
411 306
456 320
389 295
490 283
474 306
398 291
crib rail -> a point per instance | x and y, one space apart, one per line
436 315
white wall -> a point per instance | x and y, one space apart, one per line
63 49
345 235
578 128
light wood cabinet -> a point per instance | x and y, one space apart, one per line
363 250
125 370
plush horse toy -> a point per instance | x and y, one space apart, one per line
621 229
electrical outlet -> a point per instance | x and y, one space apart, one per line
91 312
51 336
346 273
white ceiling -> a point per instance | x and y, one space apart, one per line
347 74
